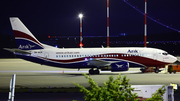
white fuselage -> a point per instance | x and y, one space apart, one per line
136 56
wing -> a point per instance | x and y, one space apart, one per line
98 63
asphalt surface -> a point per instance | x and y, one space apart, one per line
34 75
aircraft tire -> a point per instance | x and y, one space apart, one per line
96 72
91 71
142 70
156 71
174 72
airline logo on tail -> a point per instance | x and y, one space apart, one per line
26 46
25 40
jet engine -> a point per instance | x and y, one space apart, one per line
118 66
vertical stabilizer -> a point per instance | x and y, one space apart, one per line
24 38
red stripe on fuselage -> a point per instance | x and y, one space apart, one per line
26 36
134 59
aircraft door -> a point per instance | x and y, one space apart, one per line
155 56
46 55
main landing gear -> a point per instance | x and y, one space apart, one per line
92 71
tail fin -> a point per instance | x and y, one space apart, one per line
25 40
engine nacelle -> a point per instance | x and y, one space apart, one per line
120 66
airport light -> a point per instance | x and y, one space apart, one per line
80 16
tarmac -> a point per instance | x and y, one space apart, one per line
34 75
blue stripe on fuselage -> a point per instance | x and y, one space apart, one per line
55 64
82 64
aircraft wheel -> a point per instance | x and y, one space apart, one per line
91 71
96 72
157 71
142 70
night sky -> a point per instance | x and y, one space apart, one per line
60 17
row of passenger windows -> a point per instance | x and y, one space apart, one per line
86 56
125 55
38 52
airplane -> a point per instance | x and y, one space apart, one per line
112 59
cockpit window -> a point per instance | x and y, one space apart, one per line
165 53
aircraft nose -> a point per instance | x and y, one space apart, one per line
173 59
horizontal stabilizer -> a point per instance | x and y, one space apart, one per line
17 51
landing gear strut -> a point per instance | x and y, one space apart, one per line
92 71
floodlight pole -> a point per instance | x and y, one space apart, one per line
80 16
145 25
107 23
